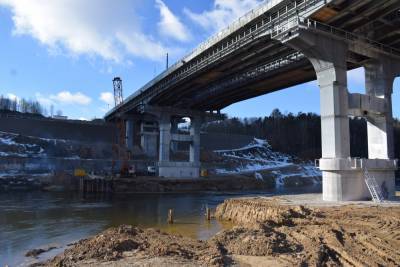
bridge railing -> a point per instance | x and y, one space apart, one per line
288 28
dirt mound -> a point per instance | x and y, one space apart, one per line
324 236
112 245
254 211
255 242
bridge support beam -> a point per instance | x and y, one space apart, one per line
168 168
343 177
165 138
194 153
129 134
148 138
328 57
379 78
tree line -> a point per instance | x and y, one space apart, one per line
25 106
297 134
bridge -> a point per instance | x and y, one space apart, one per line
279 44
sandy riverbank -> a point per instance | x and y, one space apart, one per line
270 231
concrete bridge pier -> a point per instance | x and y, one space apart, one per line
169 168
148 138
328 57
194 153
343 176
129 134
380 74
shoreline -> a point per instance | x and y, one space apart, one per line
270 230
151 184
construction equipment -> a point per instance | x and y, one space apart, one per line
80 173
120 153
373 187
118 94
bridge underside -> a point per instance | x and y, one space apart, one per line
273 52
206 90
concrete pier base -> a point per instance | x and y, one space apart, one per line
178 170
344 180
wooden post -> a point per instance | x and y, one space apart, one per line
208 214
170 216
81 187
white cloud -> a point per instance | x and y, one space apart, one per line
90 27
107 98
170 25
12 97
139 44
66 97
223 13
45 101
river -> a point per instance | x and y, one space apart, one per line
34 219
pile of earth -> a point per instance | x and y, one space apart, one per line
134 245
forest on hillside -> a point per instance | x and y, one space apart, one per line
297 134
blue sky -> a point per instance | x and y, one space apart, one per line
65 53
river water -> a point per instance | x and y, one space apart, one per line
35 219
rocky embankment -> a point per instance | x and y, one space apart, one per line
269 232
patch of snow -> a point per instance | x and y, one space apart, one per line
258 176
7 141
304 171
253 167
257 143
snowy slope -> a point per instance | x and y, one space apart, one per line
256 156
12 145
259 158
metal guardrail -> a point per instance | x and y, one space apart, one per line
188 65
281 31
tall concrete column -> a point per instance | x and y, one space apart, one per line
165 138
331 70
148 138
129 133
174 129
328 57
195 144
379 79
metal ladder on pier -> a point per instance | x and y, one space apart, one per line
373 187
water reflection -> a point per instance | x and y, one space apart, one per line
34 219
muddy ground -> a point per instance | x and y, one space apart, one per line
268 232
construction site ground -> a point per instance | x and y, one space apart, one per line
295 230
